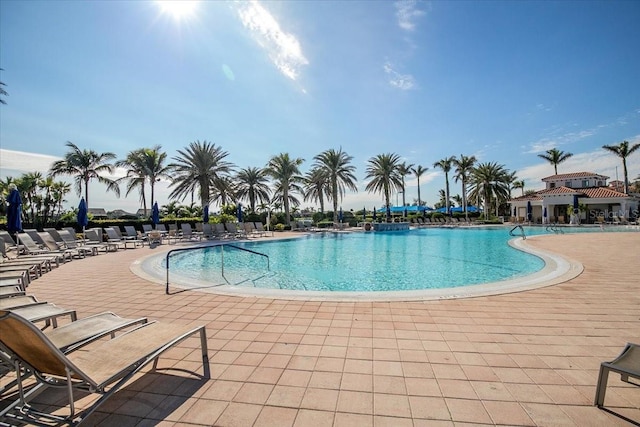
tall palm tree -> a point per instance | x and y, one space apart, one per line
252 185
383 171
445 165
198 167
404 169
623 151
519 184
555 157
464 167
86 165
418 171
285 171
59 190
2 91
29 184
224 191
316 186
339 172
487 180
145 164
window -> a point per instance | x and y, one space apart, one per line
552 185
585 183
567 184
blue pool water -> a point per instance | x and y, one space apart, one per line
430 258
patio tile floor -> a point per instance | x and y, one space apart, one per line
524 358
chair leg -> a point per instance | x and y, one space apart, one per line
601 389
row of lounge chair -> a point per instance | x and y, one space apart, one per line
446 221
35 356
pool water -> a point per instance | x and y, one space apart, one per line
429 258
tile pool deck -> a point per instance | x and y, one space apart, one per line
525 358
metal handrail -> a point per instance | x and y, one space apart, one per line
524 237
222 245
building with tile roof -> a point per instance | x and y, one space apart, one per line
582 197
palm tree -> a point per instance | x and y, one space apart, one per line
199 166
285 171
555 157
315 186
404 169
58 191
224 191
464 167
519 184
487 180
445 165
2 91
28 185
418 171
623 151
86 165
251 185
383 170
335 165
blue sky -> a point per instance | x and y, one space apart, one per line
503 81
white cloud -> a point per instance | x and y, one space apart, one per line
407 13
283 48
401 81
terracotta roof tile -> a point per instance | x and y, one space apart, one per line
601 192
575 175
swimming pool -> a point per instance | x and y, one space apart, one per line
430 258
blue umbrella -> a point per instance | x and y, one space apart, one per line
14 211
340 215
155 214
515 211
374 213
205 215
239 213
544 212
406 214
82 217
529 210
575 204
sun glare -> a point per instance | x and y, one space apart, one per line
178 9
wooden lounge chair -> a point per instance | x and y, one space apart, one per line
627 364
101 368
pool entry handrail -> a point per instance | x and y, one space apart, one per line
222 246
511 232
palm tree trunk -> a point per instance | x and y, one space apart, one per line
626 175
446 186
334 197
419 201
86 193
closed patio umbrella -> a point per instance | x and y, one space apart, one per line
82 217
14 211
529 210
374 213
340 215
239 212
155 214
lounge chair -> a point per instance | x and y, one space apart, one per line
8 291
101 368
28 246
260 228
8 240
58 247
74 335
30 308
70 242
627 364
187 232
147 228
115 238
